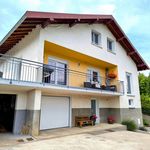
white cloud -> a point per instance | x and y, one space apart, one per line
147 72
129 21
106 8
30 4
98 9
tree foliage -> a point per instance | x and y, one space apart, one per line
144 82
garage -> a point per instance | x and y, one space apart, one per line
55 112
7 110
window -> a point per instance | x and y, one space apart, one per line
93 75
110 45
129 86
131 103
96 38
59 73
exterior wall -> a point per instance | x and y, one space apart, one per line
81 106
27 110
76 65
32 47
28 47
78 38
20 110
33 111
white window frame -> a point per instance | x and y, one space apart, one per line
132 105
113 45
99 38
61 61
93 70
131 84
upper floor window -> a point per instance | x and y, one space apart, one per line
129 84
110 45
96 38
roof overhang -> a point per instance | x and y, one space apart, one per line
31 19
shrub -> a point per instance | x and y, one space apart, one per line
145 122
131 126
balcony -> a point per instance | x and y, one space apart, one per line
22 72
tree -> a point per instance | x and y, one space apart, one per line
144 83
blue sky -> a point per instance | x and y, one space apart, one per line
132 15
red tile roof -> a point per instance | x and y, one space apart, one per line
30 19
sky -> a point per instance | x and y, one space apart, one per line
132 15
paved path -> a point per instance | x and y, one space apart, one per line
119 140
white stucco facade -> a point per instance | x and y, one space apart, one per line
76 38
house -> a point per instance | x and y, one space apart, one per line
55 66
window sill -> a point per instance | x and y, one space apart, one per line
111 51
131 107
97 45
131 95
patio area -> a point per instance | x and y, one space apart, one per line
103 136
61 132
9 140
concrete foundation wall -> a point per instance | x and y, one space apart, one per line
33 120
133 114
105 112
121 114
19 121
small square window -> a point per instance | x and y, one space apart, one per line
110 45
96 38
131 103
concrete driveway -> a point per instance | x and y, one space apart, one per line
119 140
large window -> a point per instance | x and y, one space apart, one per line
110 45
96 38
129 83
56 72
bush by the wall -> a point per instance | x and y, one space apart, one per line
145 101
145 122
131 126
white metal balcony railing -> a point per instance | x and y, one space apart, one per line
16 69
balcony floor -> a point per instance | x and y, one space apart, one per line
51 88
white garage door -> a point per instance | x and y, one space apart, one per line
54 112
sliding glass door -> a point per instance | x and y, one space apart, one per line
59 74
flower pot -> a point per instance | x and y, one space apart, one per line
112 75
110 121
